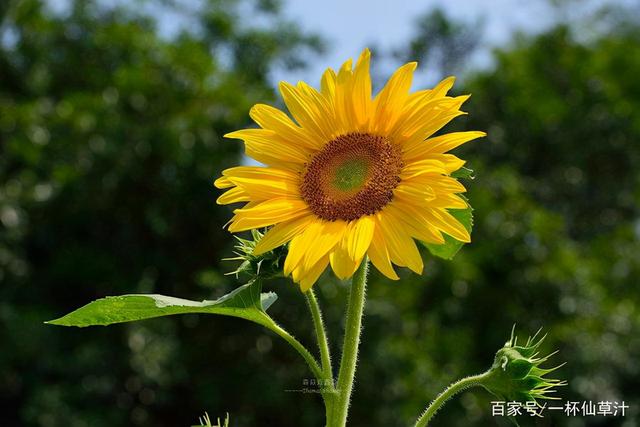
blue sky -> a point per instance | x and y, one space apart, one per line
351 25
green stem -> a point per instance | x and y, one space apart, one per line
450 391
325 354
307 356
350 347
321 335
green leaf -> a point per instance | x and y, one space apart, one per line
451 246
247 302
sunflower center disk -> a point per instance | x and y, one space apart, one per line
354 175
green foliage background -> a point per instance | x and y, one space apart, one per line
110 137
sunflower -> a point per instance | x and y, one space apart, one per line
352 176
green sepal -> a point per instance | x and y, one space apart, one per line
463 173
265 266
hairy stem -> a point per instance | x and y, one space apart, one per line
349 358
325 355
321 335
449 392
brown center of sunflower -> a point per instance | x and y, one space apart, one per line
354 175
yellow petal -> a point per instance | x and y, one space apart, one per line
257 172
263 183
268 188
320 238
447 223
233 195
390 101
423 96
307 278
223 182
343 100
295 254
345 70
342 264
281 233
443 87
441 144
358 238
427 118
414 192
273 119
361 94
401 246
414 221
309 114
316 241
443 184
266 146
448 201
328 85
434 125
449 162
347 255
327 112
267 213
379 255
430 167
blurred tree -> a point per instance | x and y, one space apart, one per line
110 137
572 130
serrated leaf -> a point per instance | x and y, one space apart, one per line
247 302
463 173
451 246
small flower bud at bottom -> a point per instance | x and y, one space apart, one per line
516 374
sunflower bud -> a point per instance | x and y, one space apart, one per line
265 265
516 374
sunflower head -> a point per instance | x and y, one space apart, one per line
350 175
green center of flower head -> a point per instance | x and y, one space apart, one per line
352 176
